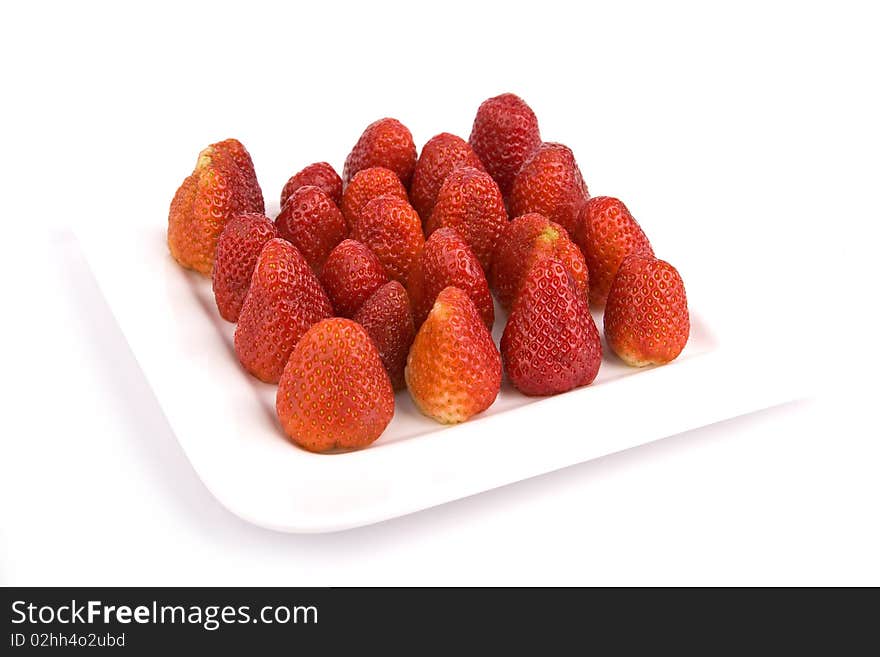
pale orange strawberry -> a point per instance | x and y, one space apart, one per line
454 369
222 185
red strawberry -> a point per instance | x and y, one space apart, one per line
365 186
551 183
319 174
447 260
284 300
440 156
387 318
350 276
526 239
385 143
311 222
248 176
453 370
607 233
505 133
646 317
469 202
391 229
216 190
238 249
334 392
550 344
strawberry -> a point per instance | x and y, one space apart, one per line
365 186
238 249
334 392
454 369
350 276
551 183
504 134
391 229
526 239
447 260
550 344
216 190
284 300
607 233
440 156
385 143
387 318
248 176
311 222
319 174
469 201
646 317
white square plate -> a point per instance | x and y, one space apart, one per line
225 419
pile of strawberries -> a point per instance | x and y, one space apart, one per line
380 279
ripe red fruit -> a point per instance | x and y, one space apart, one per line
284 300
238 249
391 229
454 369
550 344
319 174
385 143
646 317
217 189
523 241
441 155
446 261
365 186
350 276
469 201
247 175
311 222
607 233
504 134
387 318
334 392
551 183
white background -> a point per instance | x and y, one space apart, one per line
744 139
